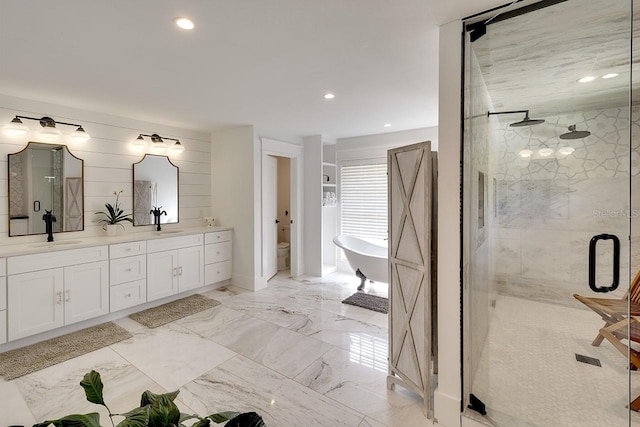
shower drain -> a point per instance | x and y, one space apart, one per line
589 360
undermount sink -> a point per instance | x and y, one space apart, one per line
168 232
54 243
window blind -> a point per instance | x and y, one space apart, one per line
363 200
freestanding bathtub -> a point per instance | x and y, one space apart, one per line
369 260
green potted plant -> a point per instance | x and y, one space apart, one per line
113 216
155 410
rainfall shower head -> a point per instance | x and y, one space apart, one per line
524 122
575 134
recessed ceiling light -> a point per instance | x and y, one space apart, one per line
586 79
387 125
329 96
185 23
610 75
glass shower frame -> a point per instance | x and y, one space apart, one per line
491 188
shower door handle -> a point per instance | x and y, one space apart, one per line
592 263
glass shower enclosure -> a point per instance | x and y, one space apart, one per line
550 168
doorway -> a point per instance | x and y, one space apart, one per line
548 198
281 204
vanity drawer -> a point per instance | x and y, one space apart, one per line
125 270
3 293
55 259
217 236
122 250
217 252
128 295
170 243
214 273
3 326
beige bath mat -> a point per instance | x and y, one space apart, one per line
166 313
25 360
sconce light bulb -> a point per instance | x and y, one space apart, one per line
80 135
177 148
139 142
16 128
545 152
50 133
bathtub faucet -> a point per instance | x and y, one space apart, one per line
156 217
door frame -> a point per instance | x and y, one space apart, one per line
272 147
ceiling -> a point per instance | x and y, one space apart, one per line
526 65
265 63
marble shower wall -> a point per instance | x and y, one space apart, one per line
547 209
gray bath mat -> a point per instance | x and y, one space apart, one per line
32 358
167 313
368 301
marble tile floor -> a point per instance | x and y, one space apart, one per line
527 373
292 352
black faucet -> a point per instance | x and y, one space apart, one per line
49 219
156 217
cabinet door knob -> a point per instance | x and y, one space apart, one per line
67 295
127 295
59 298
128 270
180 271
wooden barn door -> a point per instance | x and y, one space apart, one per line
410 178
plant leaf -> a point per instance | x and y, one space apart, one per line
164 412
75 420
92 385
148 397
248 419
221 417
202 423
138 417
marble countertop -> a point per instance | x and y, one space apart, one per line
66 241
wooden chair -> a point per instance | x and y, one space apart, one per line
614 310
627 329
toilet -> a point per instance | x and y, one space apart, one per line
283 248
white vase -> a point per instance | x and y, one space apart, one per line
112 229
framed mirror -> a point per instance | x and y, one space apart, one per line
45 177
155 185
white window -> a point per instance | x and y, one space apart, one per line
363 200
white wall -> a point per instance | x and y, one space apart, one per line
232 180
447 396
376 146
108 159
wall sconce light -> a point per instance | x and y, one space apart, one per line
49 131
158 143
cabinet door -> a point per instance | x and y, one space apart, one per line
86 291
191 268
162 274
35 302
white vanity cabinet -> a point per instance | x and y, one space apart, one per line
127 275
174 264
60 288
217 256
3 301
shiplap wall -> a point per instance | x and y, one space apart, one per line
108 160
